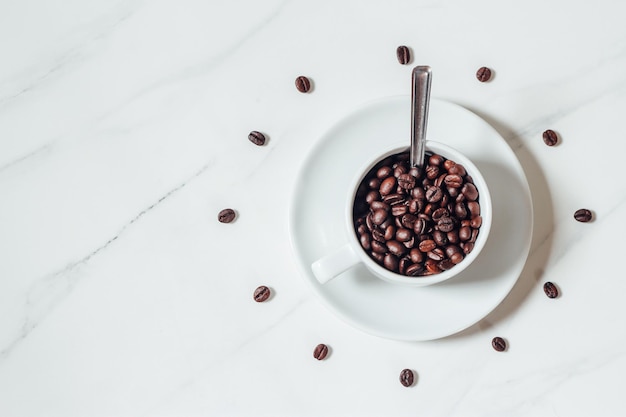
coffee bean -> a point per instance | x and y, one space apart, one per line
403 235
257 138
378 257
261 294
551 290
379 247
414 270
406 377
393 199
390 232
460 210
387 186
457 169
391 262
403 54
431 266
470 192
406 181
498 344
483 74
226 216
476 222
303 84
433 194
427 245
445 224
436 254
583 215
366 241
465 233
320 351
379 235
453 180
432 172
396 248
398 210
550 137
379 216
445 264
474 208
408 220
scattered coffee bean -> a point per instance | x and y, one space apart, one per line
583 215
257 138
261 294
417 221
303 84
403 54
498 344
550 137
551 290
483 74
320 351
226 215
407 377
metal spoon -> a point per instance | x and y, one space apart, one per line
420 98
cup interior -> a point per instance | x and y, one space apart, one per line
377 265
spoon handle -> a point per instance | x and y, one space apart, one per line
420 97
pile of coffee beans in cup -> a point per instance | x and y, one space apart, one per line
417 221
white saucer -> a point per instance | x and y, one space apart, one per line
398 312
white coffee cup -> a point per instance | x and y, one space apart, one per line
351 253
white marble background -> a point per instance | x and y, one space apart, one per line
123 131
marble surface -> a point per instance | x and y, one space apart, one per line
123 132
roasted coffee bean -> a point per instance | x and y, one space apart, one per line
415 172
378 205
261 294
406 181
372 196
445 264
465 233
460 210
379 235
399 210
440 238
320 352
403 54
427 245
406 377
391 262
387 186
470 192
458 169
551 290
396 248
440 180
408 220
467 247
383 172
418 193
439 213
361 229
431 266
374 183
435 159
432 172
393 199
550 137
226 216
453 236
414 270
421 226
303 84
433 194
403 235
257 138
498 344
474 235
403 264
476 222
378 257
366 241
379 216
474 208
416 255
415 205
445 224
583 215
436 254
400 170
483 74
390 232
453 181
379 247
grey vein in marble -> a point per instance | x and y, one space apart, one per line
52 289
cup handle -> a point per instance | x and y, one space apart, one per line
335 263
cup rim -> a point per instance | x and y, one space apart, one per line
485 210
